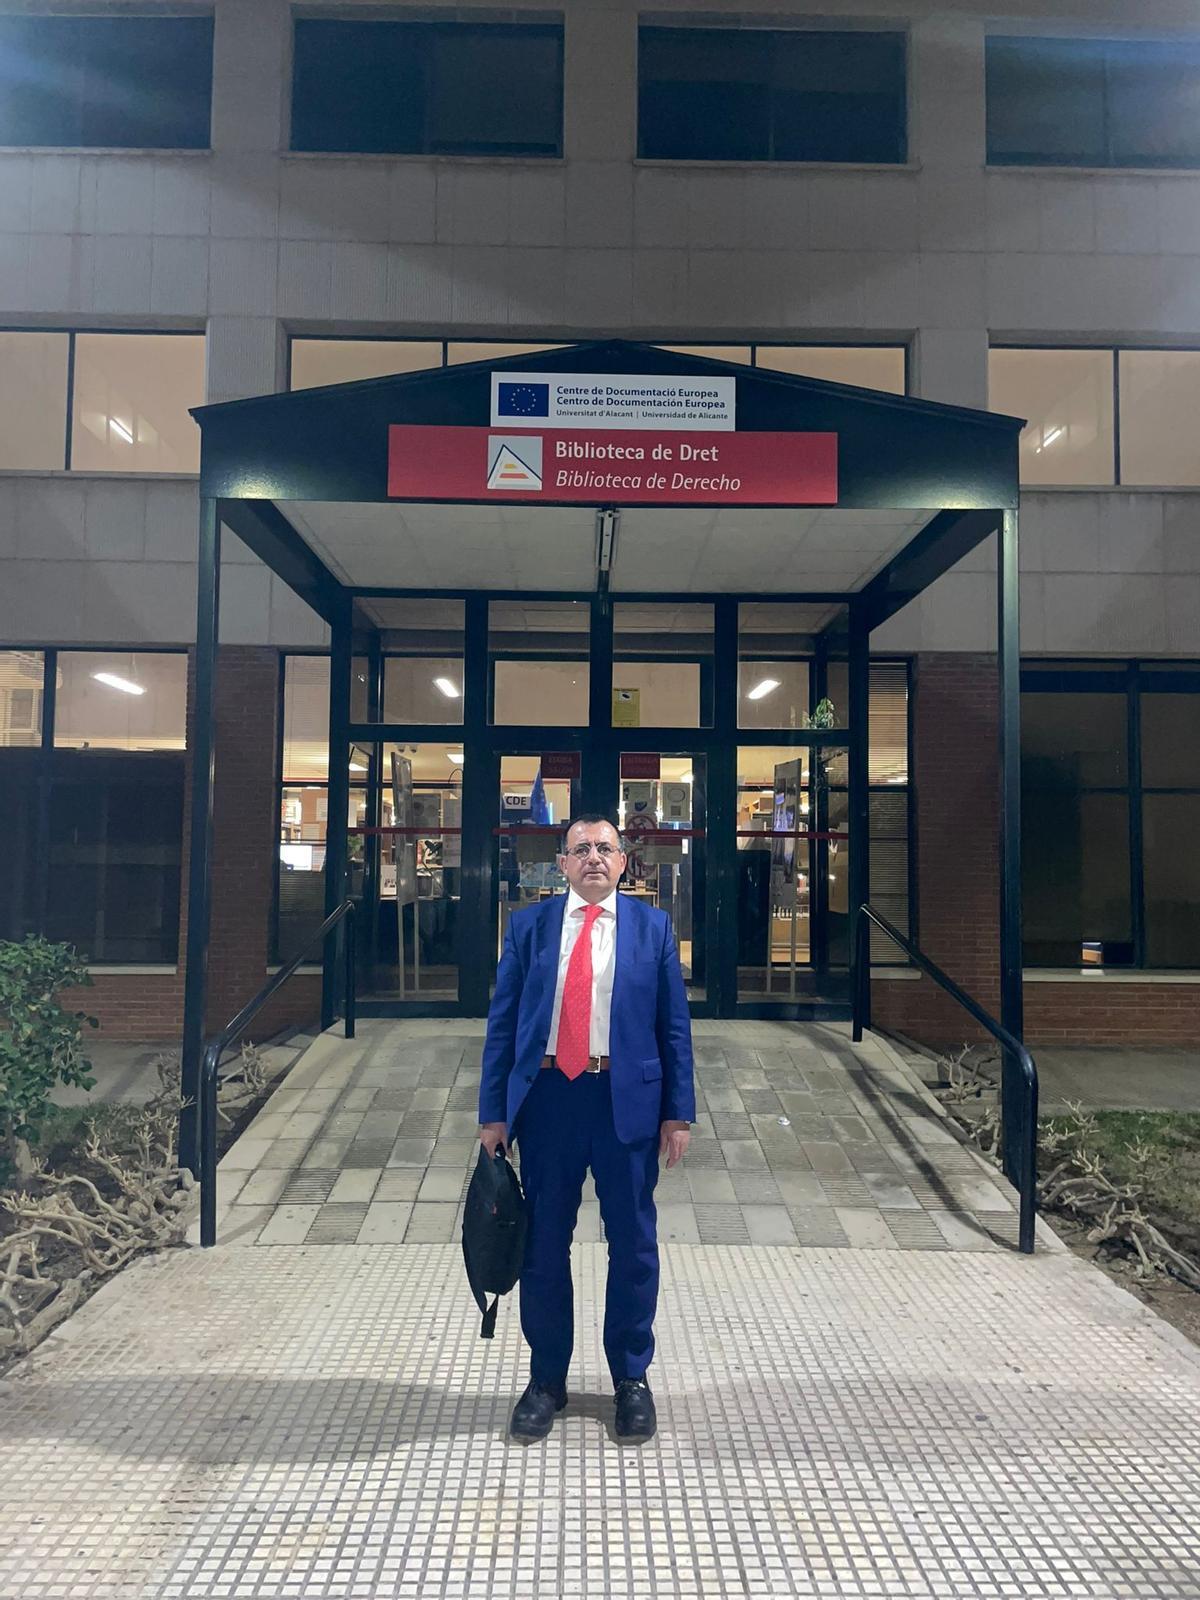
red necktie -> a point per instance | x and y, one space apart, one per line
574 1045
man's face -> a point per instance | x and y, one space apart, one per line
593 860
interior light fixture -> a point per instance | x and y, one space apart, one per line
1048 439
455 757
448 688
357 766
121 431
898 778
115 682
761 689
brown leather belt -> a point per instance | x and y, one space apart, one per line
595 1063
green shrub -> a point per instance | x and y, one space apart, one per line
41 1044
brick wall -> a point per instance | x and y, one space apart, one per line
955 714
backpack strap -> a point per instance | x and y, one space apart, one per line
487 1328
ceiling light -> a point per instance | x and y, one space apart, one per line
121 431
455 756
1048 439
357 766
761 689
899 778
114 682
448 688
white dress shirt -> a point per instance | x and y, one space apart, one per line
604 943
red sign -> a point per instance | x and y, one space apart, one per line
560 764
627 467
640 764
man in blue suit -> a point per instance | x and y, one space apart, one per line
588 1060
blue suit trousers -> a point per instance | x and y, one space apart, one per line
564 1127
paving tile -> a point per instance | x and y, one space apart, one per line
818 1227
866 1230
398 1183
337 1224
410 1153
743 1154
453 1152
419 1124
783 1157
246 1154
709 1184
961 1231
705 1153
238 1227
721 1224
368 1153
769 1224
309 1185
459 1124
288 1225
588 1228
385 1222
442 1183
356 1184
264 1186
430 1223
799 1188
326 1153
915 1230
889 1194
756 1188
677 1222
826 1156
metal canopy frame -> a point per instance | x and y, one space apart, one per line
330 444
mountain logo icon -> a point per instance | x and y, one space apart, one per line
514 463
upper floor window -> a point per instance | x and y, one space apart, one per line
1093 102
106 82
770 94
428 88
130 395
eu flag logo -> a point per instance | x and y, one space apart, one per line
523 400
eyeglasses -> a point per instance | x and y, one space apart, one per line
582 851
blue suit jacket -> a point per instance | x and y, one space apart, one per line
650 1033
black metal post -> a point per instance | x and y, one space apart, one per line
348 949
860 809
337 821
1019 1110
199 909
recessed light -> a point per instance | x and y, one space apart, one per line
115 682
455 756
448 687
761 689
121 431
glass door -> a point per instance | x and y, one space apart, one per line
537 796
409 867
662 811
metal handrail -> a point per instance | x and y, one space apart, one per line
219 1043
1019 1079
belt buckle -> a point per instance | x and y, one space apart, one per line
593 1064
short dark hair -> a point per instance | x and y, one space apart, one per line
591 818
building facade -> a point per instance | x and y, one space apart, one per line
234 199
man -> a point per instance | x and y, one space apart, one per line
588 1060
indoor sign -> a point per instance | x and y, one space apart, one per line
626 466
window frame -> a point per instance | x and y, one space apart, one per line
132 333
1132 679
549 24
1107 43
1115 352
49 759
664 23
205 13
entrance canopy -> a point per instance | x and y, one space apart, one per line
841 490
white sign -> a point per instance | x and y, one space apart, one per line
611 400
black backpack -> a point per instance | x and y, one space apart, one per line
493 1235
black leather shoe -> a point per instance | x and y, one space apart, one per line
533 1414
636 1418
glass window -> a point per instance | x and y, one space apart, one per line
488 350
1073 741
1066 397
423 679
121 701
423 689
712 352
1160 407
662 665
774 870
419 88
539 655
880 367
760 94
1093 102
19 860
1171 864
1170 741
33 400
116 849
22 673
1075 876
132 395
775 642
316 362
106 81
305 718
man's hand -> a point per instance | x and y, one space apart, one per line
673 1141
492 1134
